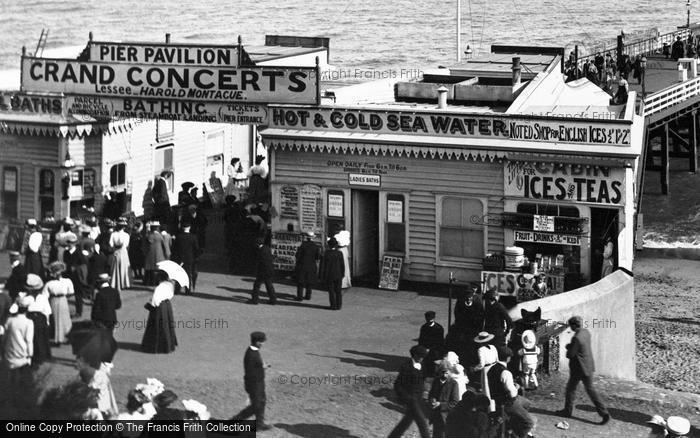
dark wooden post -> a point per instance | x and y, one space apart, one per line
620 50
664 160
693 140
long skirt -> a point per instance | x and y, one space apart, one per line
346 259
42 348
60 316
34 263
120 270
159 336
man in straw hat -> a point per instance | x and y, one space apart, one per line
677 426
18 275
307 255
409 388
254 381
486 351
581 368
18 343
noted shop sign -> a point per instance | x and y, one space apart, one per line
452 125
564 182
207 83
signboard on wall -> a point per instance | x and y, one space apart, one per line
390 273
551 238
460 125
207 83
565 182
543 223
311 204
284 248
394 211
335 204
356 179
289 202
163 53
507 284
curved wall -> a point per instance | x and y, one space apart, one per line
607 309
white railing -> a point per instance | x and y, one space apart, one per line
671 96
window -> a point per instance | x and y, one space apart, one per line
117 175
46 192
461 237
395 223
9 195
164 162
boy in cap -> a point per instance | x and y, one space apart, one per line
444 396
432 337
307 255
409 387
254 381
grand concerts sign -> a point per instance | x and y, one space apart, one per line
579 131
205 83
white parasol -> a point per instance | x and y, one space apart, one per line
175 272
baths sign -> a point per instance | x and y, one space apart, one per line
564 182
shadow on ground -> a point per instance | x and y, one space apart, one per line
308 430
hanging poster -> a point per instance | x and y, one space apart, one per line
289 202
284 248
311 209
394 211
543 223
335 205
390 273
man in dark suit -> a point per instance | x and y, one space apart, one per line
332 272
107 301
264 271
18 276
98 263
409 387
77 270
496 319
307 255
581 368
432 337
185 251
254 381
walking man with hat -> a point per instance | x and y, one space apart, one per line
581 368
185 251
254 381
308 254
496 319
264 271
77 269
332 272
409 387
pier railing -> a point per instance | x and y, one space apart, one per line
642 47
670 96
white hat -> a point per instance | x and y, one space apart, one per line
25 301
529 339
678 425
483 337
452 358
657 420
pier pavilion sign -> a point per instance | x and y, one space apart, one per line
163 53
221 84
502 126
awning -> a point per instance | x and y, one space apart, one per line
17 127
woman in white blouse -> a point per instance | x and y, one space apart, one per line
119 240
58 289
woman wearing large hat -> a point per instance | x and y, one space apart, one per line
120 266
58 288
486 351
39 312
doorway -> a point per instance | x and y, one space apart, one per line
604 223
365 235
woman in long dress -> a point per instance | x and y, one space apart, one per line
119 240
159 336
58 289
98 378
343 239
136 257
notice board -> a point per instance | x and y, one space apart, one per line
390 273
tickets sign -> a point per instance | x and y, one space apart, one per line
565 182
459 125
202 83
